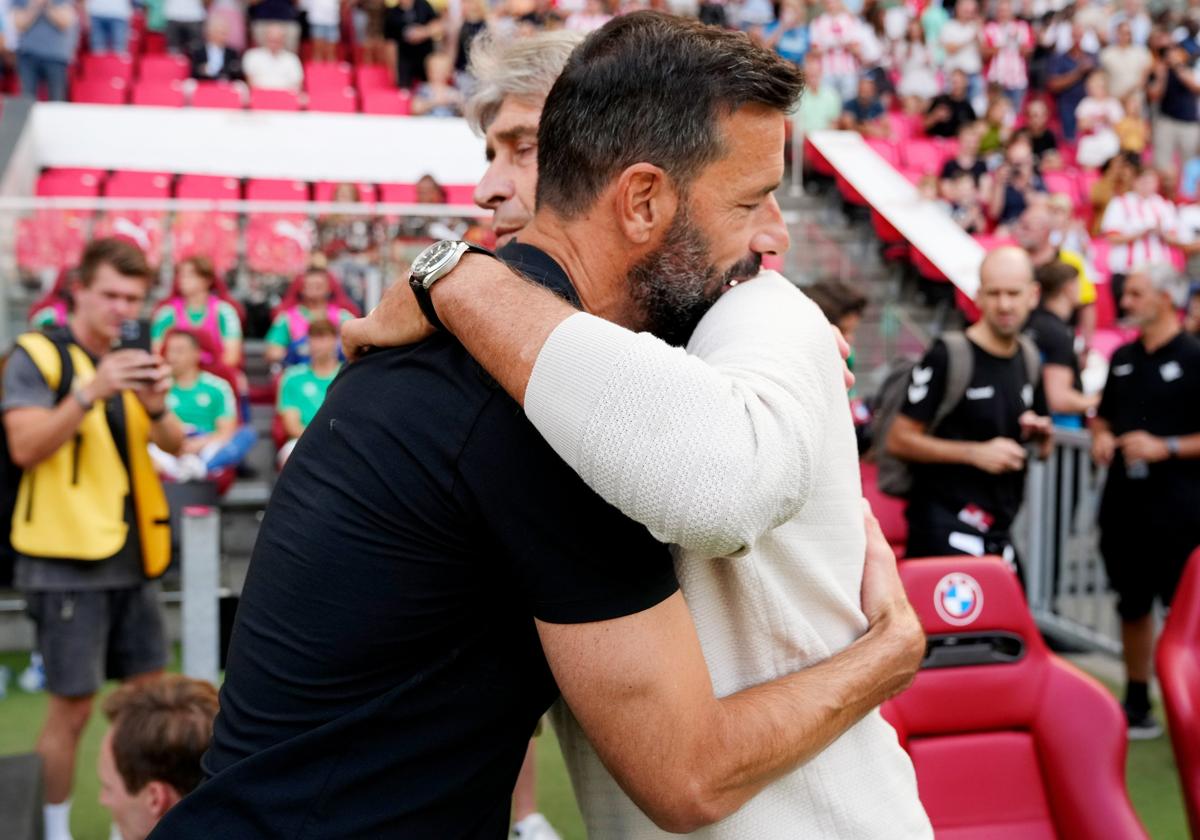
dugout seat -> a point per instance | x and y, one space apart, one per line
1007 739
1178 661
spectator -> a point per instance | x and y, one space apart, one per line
287 340
303 386
1116 178
962 203
1132 14
1037 129
199 307
968 460
1148 434
592 16
215 59
872 57
1191 319
272 65
1138 225
324 25
950 111
997 125
788 35
206 405
45 45
92 536
1049 326
185 25
966 159
1067 232
821 104
430 192
1015 183
266 15
1096 119
437 97
1067 73
1007 45
961 41
368 16
752 14
843 304
1034 234
1133 132
475 22
1126 63
865 113
1173 86
412 25
350 243
836 34
150 755
914 63
108 25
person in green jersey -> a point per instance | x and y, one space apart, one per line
302 389
287 339
208 409
197 307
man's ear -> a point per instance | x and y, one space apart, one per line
160 798
645 202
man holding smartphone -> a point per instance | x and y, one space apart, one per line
90 524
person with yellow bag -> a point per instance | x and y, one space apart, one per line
90 521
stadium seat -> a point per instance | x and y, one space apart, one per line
104 67
397 193
1063 182
270 189
270 99
130 184
397 103
211 235
159 94
100 91
163 68
68 182
1008 740
278 243
341 100
327 76
886 149
1178 664
373 77
217 95
459 194
324 190
51 239
145 228
208 186
887 509
923 155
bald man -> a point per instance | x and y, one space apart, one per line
973 403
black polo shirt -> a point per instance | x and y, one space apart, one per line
385 674
1158 393
998 394
1055 340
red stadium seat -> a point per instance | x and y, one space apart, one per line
886 149
159 94
270 189
155 43
129 184
459 194
923 155
1063 182
100 91
163 68
905 127
1008 740
324 190
68 182
212 235
373 77
270 99
145 228
208 186
51 239
398 193
103 67
1178 662
278 243
397 103
327 76
216 95
889 510
333 100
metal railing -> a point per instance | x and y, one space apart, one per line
1057 536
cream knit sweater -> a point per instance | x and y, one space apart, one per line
740 449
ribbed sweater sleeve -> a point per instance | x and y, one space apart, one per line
708 448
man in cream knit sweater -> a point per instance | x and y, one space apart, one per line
741 449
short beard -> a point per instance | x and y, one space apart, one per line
673 287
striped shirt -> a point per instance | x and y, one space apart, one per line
1007 67
834 36
1130 214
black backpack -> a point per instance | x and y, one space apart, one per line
10 473
895 476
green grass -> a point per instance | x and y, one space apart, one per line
1153 782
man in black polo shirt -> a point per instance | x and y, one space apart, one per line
1049 326
1148 433
968 467
429 573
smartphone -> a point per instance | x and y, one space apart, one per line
135 335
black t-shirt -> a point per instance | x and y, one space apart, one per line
1055 340
961 113
997 396
952 169
1043 142
1158 393
385 673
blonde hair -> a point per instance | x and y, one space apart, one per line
525 68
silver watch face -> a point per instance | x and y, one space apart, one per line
433 257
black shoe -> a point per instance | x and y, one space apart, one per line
1143 726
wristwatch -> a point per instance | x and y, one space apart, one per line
1172 447
434 263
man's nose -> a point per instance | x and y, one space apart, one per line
493 189
771 237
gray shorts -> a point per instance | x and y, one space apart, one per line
90 636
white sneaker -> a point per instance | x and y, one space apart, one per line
534 827
33 678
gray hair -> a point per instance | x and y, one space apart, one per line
524 68
1165 278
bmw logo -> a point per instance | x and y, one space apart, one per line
958 599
